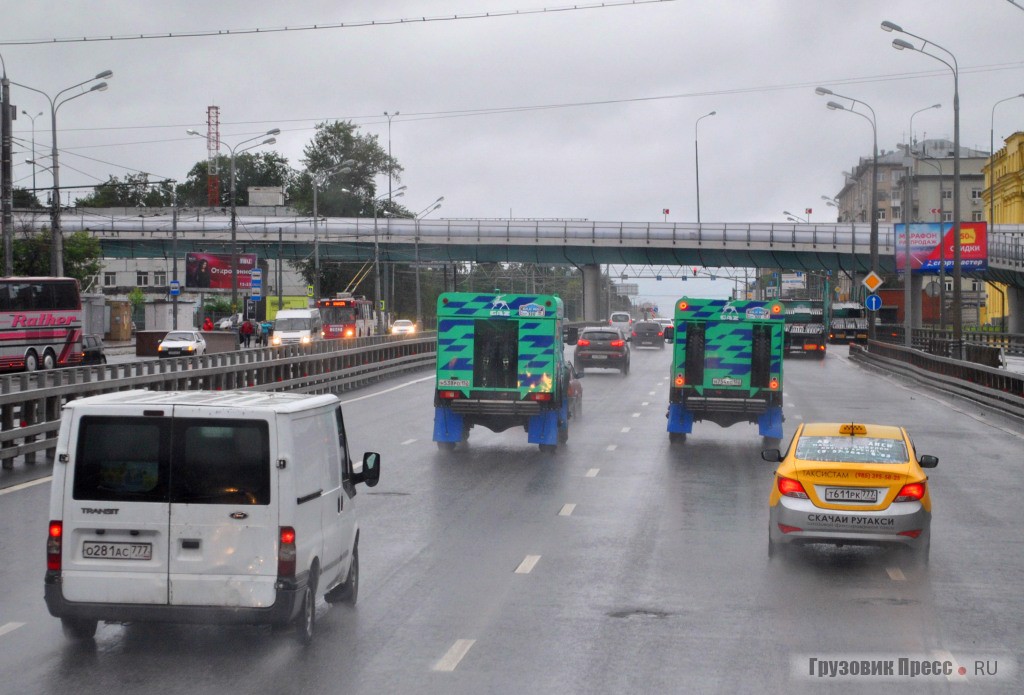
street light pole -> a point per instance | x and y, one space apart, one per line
234 218
400 191
56 237
899 45
419 301
908 215
33 119
991 154
874 180
389 117
696 159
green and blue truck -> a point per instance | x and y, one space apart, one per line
500 364
726 365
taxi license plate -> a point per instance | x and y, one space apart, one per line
94 550
850 494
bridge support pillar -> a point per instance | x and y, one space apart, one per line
1015 307
592 293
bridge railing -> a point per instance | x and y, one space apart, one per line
30 404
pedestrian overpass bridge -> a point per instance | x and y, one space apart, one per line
839 247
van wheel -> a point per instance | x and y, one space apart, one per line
31 361
78 629
305 622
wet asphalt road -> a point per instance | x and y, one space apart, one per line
618 565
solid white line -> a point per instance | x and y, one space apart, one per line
22 486
408 441
611 447
393 388
567 510
592 473
896 574
527 565
9 627
625 429
458 650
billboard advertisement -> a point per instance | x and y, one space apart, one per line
213 270
931 243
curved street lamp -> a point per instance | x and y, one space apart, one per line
419 216
234 219
56 237
696 158
796 218
398 192
834 106
900 45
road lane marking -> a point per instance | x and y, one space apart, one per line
393 388
567 510
896 574
9 627
451 659
592 473
645 403
527 565
22 486
652 393
408 441
625 429
611 447
636 414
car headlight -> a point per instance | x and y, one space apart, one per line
306 340
276 340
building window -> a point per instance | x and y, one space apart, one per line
142 278
109 279
947 216
947 195
897 214
880 215
977 216
159 278
975 194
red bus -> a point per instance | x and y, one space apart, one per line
40 323
346 316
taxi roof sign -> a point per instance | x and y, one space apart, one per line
872 281
852 428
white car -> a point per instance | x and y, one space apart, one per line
229 322
403 327
182 344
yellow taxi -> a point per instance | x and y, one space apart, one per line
850 483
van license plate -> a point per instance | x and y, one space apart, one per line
93 550
850 494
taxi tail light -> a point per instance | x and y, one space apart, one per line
449 395
54 543
791 488
789 529
911 534
583 342
538 397
618 343
911 492
286 553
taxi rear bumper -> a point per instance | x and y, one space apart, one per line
794 521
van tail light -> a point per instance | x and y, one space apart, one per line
583 342
286 553
791 488
54 541
618 343
911 492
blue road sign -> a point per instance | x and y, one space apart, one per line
873 302
175 288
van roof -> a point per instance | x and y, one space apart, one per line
268 401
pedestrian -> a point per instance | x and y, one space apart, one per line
207 324
265 333
246 333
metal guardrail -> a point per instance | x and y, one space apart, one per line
996 388
30 404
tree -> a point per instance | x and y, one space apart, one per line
25 200
82 255
134 192
251 169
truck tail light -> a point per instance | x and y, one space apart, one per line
541 396
680 381
286 553
449 395
791 488
911 492
54 542
774 384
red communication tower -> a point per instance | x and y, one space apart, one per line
213 155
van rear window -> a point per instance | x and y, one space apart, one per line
181 460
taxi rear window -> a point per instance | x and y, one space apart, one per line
842 449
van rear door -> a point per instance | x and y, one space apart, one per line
116 507
223 526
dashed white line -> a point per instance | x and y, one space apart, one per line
652 393
646 403
454 655
527 565
625 429
611 447
566 510
895 574
408 441
592 473
636 414
9 627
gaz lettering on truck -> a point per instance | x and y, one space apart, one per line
726 365
500 364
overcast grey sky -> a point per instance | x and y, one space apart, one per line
633 79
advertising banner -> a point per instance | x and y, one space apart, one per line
927 252
213 270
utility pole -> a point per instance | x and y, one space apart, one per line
7 189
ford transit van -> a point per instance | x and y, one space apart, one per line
202 507
293 326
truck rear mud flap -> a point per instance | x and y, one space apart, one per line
726 412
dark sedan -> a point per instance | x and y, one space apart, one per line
92 350
605 347
648 333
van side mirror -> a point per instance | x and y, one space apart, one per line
773 455
371 469
928 461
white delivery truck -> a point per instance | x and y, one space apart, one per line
296 326
202 507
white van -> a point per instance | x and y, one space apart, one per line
202 507
623 321
293 326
